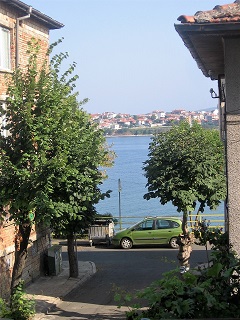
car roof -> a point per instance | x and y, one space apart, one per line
163 217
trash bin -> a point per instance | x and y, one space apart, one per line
55 260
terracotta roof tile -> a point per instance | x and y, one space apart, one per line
219 14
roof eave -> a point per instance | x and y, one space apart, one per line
188 32
209 27
46 20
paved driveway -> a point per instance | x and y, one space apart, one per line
117 269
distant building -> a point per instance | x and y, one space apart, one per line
111 120
180 111
159 114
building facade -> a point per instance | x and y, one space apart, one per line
19 24
213 39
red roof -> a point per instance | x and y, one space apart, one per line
219 14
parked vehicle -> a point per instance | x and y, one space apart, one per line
150 231
101 231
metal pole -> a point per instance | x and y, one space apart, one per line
119 203
17 34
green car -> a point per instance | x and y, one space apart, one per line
150 231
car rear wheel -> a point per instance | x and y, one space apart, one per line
173 243
126 243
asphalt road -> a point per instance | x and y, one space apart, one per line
117 270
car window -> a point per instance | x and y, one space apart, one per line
175 224
145 225
162 224
166 224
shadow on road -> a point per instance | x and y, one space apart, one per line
77 315
118 271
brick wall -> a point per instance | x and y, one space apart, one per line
35 265
6 256
37 252
28 29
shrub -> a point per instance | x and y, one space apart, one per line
5 311
20 307
207 292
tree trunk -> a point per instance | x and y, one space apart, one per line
200 210
185 241
184 223
21 245
72 257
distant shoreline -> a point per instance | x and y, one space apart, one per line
128 135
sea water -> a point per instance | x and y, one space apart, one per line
127 197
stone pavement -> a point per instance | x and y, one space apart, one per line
48 291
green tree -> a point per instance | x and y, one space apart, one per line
47 170
186 167
75 186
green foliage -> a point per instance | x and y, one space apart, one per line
207 292
106 216
136 131
51 158
20 308
215 237
204 234
5 311
186 166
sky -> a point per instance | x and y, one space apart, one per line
130 59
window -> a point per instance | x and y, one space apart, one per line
3 132
4 48
175 224
163 224
146 225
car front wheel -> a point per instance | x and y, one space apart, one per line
126 243
173 243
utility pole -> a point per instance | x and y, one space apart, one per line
119 203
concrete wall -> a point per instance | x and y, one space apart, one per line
232 74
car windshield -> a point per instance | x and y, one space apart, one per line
143 225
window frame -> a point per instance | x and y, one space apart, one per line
5 53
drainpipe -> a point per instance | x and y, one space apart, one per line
17 33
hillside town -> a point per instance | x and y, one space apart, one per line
156 118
